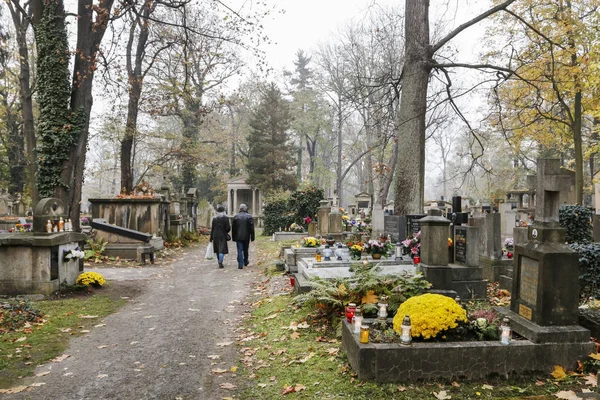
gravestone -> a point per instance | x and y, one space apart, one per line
413 225
466 240
545 287
323 217
377 221
395 226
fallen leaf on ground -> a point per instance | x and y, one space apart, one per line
567 395
21 339
595 356
234 369
88 316
37 384
401 388
227 385
540 383
223 344
43 373
303 325
295 335
591 380
65 330
103 346
213 357
99 325
102 376
60 358
218 371
288 390
455 384
16 389
488 387
300 387
272 316
441 395
559 372
262 385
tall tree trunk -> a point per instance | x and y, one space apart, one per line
135 92
578 150
21 25
410 169
338 168
90 30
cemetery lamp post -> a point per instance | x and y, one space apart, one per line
405 336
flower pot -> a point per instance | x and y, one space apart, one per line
376 256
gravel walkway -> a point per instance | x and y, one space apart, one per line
158 345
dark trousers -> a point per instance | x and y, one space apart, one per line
242 253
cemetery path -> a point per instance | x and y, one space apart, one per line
158 345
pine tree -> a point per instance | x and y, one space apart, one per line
271 155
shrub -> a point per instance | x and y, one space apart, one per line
305 203
364 288
577 221
97 247
276 215
589 268
90 279
430 314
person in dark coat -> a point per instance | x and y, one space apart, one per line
219 231
242 234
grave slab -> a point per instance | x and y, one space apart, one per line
457 360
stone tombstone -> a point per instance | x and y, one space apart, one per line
395 226
412 223
335 221
491 236
175 208
377 220
545 287
466 245
323 217
460 244
363 200
434 238
48 209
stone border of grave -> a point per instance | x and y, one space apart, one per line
389 362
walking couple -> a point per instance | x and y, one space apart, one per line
242 234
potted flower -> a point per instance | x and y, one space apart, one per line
356 250
412 245
310 241
376 249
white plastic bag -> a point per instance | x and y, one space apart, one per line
210 252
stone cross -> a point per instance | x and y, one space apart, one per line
550 182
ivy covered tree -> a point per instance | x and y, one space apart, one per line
271 155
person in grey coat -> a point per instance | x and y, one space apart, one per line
242 234
219 232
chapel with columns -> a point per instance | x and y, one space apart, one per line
239 192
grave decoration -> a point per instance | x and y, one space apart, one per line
412 245
310 241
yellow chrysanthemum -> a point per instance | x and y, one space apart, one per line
90 278
430 314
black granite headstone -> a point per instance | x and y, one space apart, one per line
412 224
395 226
460 245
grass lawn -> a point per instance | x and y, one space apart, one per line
287 354
36 343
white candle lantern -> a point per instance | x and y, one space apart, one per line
405 335
505 332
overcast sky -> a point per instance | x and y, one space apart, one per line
305 23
